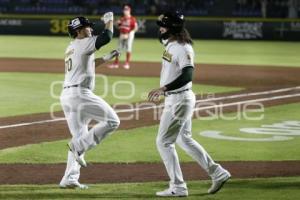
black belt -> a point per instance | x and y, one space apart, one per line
177 92
71 86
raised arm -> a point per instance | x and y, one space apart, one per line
106 35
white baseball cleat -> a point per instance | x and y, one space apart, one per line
79 158
126 66
112 66
219 181
72 185
175 192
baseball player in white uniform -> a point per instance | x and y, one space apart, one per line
176 120
79 103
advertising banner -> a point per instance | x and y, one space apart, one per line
199 29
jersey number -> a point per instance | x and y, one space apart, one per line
68 65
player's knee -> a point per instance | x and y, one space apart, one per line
183 139
114 124
179 140
163 143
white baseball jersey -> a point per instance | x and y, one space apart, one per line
80 63
176 120
175 58
81 105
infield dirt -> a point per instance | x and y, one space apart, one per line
252 78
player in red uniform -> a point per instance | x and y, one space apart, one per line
127 26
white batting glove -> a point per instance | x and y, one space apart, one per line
111 55
109 16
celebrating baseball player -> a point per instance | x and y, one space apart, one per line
127 26
79 103
176 120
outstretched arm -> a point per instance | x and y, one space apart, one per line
185 77
106 58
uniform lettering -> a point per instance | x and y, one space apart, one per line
167 56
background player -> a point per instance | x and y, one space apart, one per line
176 120
127 26
80 104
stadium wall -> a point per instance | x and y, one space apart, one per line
200 28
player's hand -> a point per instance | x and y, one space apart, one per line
109 16
111 55
154 94
115 53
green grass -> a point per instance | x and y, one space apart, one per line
264 53
138 145
27 93
207 51
247 189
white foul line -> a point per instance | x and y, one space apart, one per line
196 109
218 98
248 101
33 123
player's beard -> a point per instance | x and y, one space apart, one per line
163 37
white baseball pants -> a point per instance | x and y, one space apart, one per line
175 127
126 44
80 106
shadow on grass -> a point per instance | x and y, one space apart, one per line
76 196
51 192
197 190
265 184
122 195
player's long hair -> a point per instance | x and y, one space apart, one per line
182 37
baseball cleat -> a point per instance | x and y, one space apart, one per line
218 183
176 192
72 185
78 157
112 66
126 66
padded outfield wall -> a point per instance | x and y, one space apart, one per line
200 28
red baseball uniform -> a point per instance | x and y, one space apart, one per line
127 24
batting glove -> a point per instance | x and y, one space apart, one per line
111 55
109 16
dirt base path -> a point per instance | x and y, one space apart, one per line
140 172
254 79
251 77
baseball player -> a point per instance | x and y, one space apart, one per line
127 26
79 103
176 120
